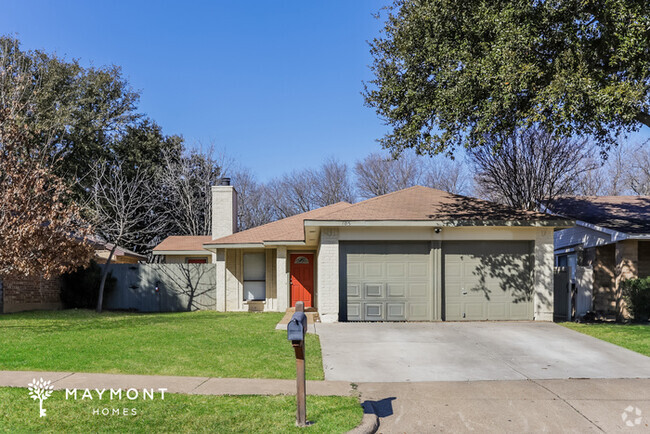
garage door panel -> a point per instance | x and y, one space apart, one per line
395 278
396 290
373 290
396 311
373 311
354 311
492 274
354 290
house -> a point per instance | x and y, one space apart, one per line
418 254
183 250
121 255
610 243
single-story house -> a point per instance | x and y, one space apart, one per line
121 255
183 250
418 254
609 244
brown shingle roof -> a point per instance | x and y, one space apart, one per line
183 242
629 214
429 204
287 229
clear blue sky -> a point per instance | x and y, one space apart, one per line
275 83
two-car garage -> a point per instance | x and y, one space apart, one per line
436 280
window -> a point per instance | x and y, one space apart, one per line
301 260
197 260
254 276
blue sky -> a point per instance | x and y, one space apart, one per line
276 84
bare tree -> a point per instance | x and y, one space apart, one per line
530 168
332 183
254 203
293 193
186 190
377 174
121 210
446 174
639 180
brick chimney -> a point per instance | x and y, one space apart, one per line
224 209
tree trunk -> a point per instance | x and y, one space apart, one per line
100 300
644 118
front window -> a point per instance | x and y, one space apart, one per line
254 276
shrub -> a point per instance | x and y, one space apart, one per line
80 289
636 293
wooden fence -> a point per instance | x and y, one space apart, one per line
163 287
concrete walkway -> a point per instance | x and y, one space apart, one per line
187 385
556 406
574 405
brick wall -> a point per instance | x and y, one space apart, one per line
644 258
30 293
328 275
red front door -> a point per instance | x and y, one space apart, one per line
302 279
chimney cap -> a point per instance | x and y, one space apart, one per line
224 181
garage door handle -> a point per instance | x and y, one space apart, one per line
464 292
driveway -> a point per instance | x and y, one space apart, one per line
470 351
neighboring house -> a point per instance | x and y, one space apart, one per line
22 293
610 243
120 256
418 254
183 250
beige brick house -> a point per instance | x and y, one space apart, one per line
418 254
609 244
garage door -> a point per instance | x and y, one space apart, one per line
388 281
488 280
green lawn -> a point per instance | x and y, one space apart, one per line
193 344
177 413
635 337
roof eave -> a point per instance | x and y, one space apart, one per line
180 252
211 246
441 223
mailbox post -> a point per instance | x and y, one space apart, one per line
296 330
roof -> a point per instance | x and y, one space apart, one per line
183 243
287 229
429 204
628 214
119 250
411 204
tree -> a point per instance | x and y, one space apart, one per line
185 196
254 203
447 175
332 183
41 230
81 110
461 73
121 210
639 179
529 169
377 174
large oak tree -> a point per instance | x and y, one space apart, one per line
457 72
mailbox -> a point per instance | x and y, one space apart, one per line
297 327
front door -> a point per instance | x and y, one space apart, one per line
302 279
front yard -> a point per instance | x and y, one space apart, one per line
635 337
202 343
177 413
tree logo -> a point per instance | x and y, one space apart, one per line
631 416
40 390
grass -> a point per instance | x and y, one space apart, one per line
214 344
177 413
635 337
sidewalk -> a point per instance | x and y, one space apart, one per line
187 385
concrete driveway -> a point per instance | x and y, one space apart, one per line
471 351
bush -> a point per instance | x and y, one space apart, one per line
636 293
80 289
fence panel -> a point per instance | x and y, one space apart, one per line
163 287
